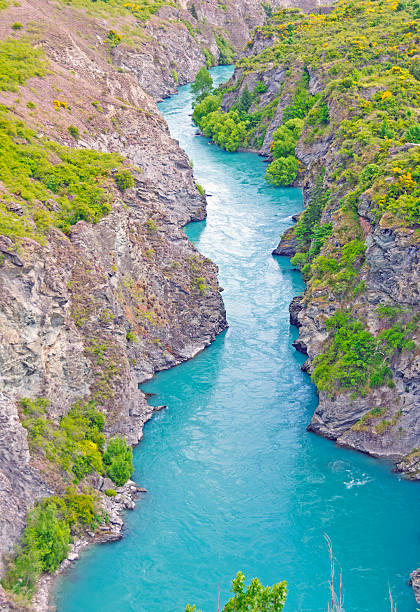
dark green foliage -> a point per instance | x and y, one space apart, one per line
253 598
311 216
193 11
302 101
245 101
282 171
319 113
124 180
73 130
202 85
118 459
260 88
268 9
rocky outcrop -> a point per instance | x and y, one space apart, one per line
287 247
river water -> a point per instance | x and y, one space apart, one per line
235 482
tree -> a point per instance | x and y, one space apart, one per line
254 598
282 171
202 85
245 101
205 107
118 459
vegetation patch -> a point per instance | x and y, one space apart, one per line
355 360
76 444
54 185
19 61
46 539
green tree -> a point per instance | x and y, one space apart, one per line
282 171
253 598
202 85
205 107
285 138
49 535
245 101
118 459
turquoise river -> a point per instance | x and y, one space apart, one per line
235 481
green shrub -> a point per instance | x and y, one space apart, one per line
260 87
124 180
17 26
113 38
44 545
118 459
131 336
73 131
208 57
226 129
46 539
282 171
199 189
302 101
300 259
110 492
77 183
75 445
351 357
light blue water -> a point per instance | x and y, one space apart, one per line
235 482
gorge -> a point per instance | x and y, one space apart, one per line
100 289
234 480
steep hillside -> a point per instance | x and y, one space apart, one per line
99 285
332 99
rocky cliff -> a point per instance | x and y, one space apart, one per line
89 311
308 93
